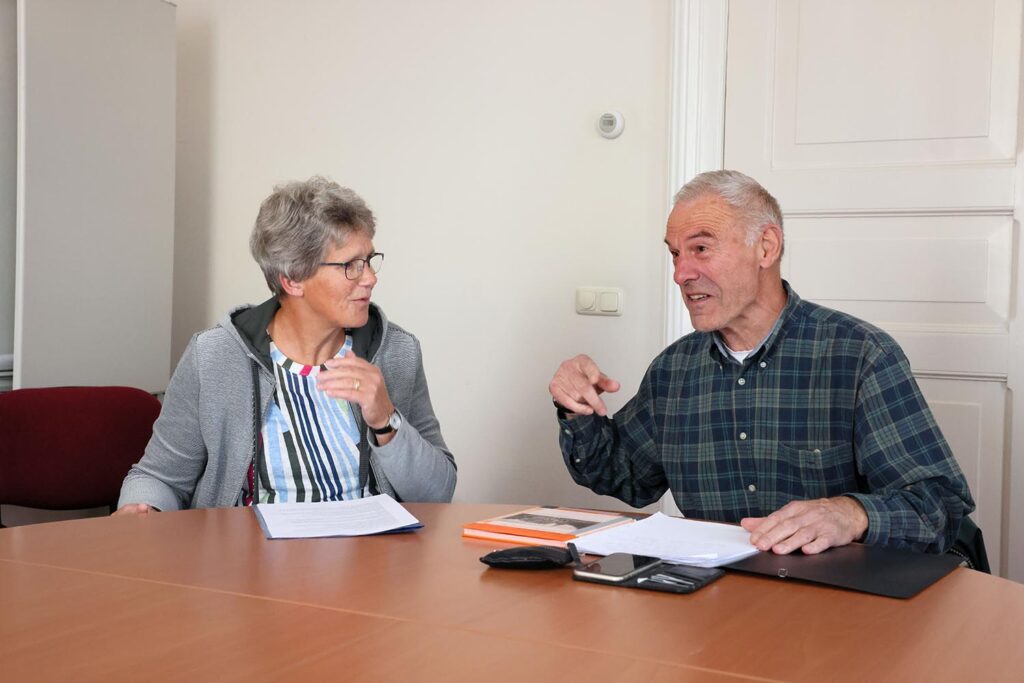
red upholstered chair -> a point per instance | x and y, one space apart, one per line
69 448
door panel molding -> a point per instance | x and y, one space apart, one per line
824 71
971 415
919 212
972 168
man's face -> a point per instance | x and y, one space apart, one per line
717 272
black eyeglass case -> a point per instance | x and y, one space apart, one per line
528 557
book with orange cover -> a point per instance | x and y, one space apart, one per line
552 526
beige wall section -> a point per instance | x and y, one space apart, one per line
8 170
469 128
95 174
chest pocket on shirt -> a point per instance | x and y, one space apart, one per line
817 473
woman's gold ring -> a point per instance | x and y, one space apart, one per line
355 384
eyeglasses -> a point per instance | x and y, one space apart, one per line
354 268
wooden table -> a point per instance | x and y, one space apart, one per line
201 596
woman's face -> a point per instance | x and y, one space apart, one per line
335 298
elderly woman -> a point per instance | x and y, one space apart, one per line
311 396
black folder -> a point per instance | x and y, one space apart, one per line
866 568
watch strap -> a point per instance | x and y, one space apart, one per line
388 427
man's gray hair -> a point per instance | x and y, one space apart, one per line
754 204
299 222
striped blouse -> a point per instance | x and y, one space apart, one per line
311 441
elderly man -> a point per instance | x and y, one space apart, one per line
803 424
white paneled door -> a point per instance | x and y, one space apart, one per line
888 131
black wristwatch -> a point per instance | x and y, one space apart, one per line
563 412
394 422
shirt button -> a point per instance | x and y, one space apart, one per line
763 364
743 436
741 381
578 460
567 432
751 488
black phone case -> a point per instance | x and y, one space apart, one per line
701 576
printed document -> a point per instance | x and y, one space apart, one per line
683 541
360 517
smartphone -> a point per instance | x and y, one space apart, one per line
616 567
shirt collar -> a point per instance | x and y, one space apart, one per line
769 340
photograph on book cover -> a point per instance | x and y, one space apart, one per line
556 523
551 523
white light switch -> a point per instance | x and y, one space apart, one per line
586 300
609 302
599 301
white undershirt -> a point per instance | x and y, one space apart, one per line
740 356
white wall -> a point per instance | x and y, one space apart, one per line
469 127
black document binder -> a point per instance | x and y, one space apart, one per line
866 568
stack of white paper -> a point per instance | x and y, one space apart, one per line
683 541
361 517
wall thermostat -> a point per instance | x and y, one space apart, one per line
610 124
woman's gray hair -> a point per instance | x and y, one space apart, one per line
299 222
755 205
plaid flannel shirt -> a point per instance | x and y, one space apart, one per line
826 407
